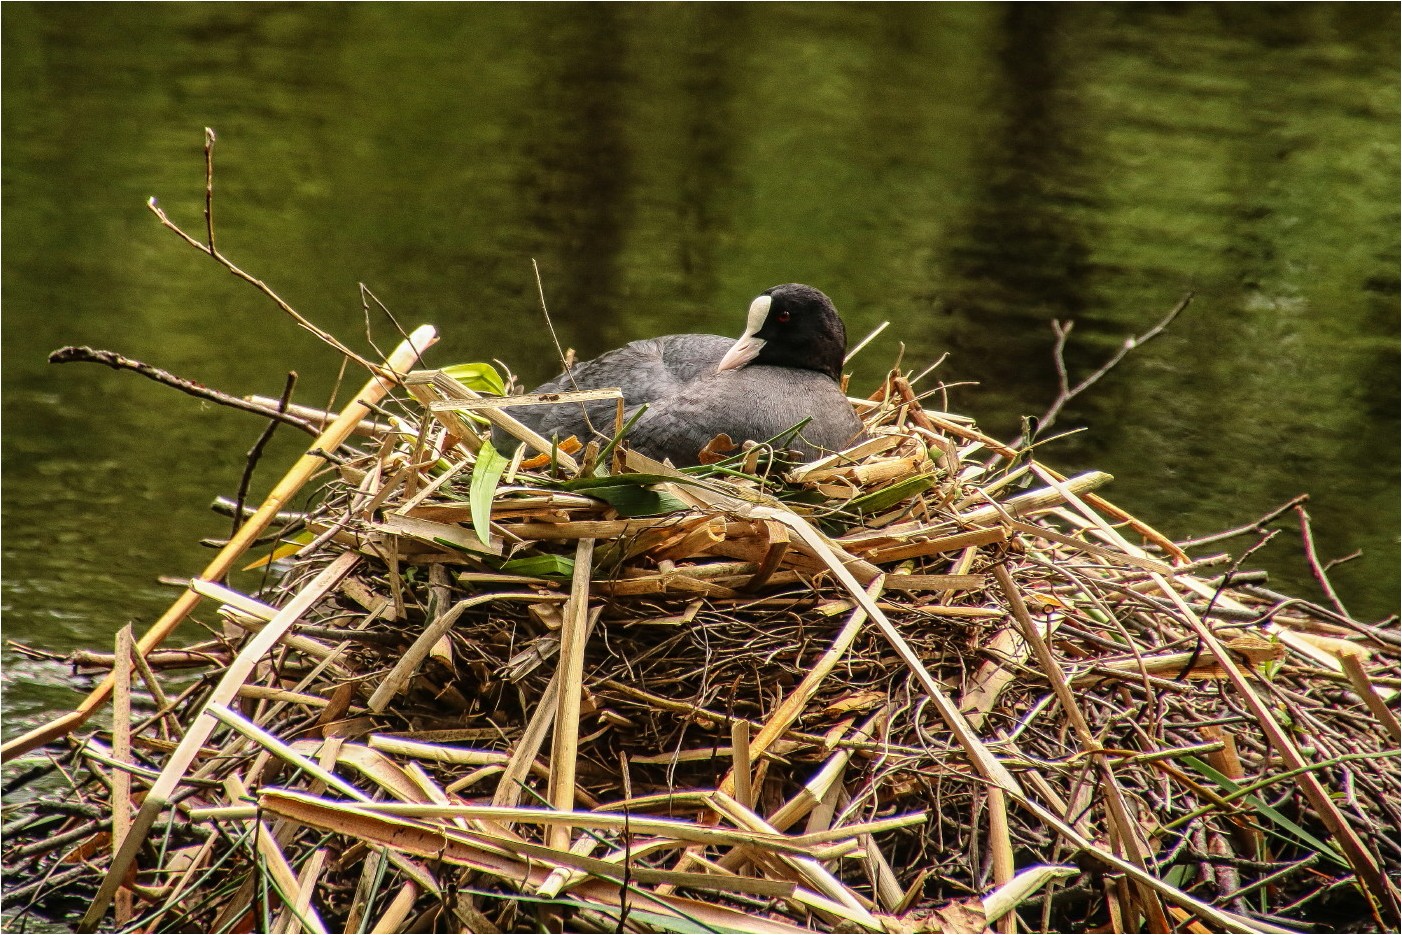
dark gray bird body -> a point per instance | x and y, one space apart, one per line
698 386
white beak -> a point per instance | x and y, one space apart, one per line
741 353
744 350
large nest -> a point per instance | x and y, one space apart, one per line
928 684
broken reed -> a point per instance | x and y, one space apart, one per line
928 684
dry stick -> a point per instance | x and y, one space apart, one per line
209 250
319 418
219 711
1010 895
178 882
1255 525
384 309
1000 843
255 453
396 914
887 889
564 361
400 361
564 747
789 709
87 355
1066 392
861 345
1081 545
1353 668
158 695
121 752
209 139
1169 547
1319 574
203 725
741 763
1036 500
306 887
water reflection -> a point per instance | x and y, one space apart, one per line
1019 255
576 169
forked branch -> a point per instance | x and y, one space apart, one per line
208 247
1065 391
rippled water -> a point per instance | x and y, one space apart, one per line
967 171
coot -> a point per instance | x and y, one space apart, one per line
784 369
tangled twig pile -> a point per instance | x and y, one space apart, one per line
928 684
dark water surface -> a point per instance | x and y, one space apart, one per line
968 171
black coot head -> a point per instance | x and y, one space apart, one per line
791 326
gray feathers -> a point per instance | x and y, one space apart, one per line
791 380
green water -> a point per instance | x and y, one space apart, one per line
967 171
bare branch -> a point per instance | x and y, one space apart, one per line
256 452
210 250
1256 525
1320 571
209 189
1065 391
87 355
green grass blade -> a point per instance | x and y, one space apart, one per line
540 566
1271 815
887 497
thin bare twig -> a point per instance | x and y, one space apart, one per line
1065 391
209 189
366 294
1226 582
550 324
256 452
1317 569
209 249
1256 525
88 355
566 361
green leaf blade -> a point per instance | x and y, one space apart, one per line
480 377
485 474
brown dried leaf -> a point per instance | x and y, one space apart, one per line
953 918
569 446
717 449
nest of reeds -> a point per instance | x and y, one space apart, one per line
928 684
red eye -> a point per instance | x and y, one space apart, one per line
782 317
